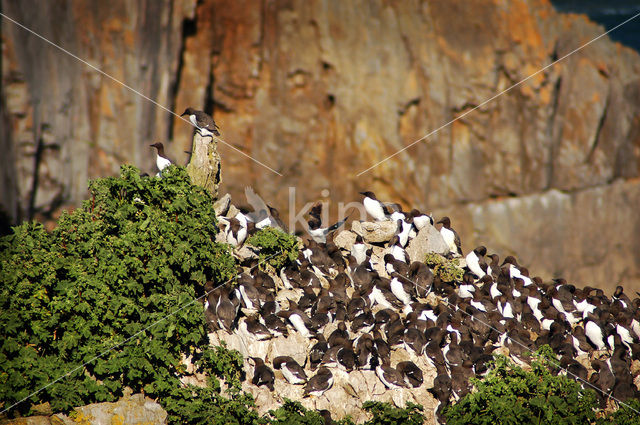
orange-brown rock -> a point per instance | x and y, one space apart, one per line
321 91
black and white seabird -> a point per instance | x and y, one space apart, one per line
420 220
263 375
263 215
291 370
411 373
316 231
390 377
254 328
450 236
318 384
374 208
162 161
203 122
359 250
236 230
475 261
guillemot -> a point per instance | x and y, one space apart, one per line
203 122
374 208
316 231
291 370
162 161
450 236
262 375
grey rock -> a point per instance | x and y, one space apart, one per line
345 239
427 240
232 211
375 232
130 409
204 167
221 206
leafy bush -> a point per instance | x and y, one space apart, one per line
625 415
277 249
447 270
138 250
511 395
386 414
293 413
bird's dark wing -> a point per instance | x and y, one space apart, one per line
337 225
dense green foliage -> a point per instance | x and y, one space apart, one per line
293 413
446 270
277 249
512 395
138 251
386 414
626 415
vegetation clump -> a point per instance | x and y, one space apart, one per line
448 271
509 394
277 248
293 413
108 298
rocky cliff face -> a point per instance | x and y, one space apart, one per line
321 91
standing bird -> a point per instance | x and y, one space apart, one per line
374 208
476 263
450 236
321 382
162 161
262 375
203 122
291 370
236 231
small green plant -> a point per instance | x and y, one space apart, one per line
626 414
115 280
447 270
277 249
512 395
386 414
293 413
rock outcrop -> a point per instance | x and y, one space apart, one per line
440 316
321 92
134 409
204 166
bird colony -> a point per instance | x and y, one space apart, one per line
360 316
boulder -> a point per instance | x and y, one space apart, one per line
375 231
427 240
221 206
345 239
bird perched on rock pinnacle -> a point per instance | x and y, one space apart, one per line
203 121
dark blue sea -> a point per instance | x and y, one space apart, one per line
609 14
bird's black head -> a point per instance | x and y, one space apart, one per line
445 221
368 194
188 111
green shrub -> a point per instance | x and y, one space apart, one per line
386 414
137 251
626 415
277 249
293 413
447 270
512 395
